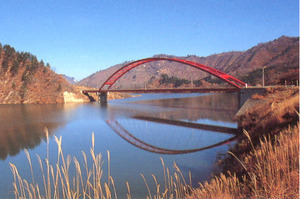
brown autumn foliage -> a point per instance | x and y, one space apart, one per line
279 108
265 162
272 171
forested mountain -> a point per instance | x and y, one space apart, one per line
25 79
280 57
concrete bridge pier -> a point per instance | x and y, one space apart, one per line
102 96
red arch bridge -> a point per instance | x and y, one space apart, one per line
106 86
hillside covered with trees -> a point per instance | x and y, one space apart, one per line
24 79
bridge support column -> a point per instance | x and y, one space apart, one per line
102 97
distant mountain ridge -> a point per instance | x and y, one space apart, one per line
280 57
71 80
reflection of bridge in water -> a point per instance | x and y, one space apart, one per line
166 125
189 124
126 135
217 107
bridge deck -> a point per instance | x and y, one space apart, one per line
169 90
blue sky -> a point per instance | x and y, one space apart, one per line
80 37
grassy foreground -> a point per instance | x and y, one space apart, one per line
264 163
87 182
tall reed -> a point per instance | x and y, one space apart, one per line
272 171
59 182
175 186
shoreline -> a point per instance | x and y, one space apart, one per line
243 174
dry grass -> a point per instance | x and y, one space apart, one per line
275 166
57 182
257 96
175 186
278 111
272 171
88 179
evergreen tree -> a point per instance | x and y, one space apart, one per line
42 63
0 52
23 57
34 63
165 79
15 66
8 56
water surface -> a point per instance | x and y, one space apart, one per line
22 126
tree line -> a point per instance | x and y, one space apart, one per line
165 79
12 59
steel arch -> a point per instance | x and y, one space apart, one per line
217 73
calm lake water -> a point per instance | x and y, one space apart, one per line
150 118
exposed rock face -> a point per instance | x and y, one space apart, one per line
25 80
72 97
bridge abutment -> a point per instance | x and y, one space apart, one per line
247 93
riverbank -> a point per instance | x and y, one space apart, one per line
245 170
265 161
